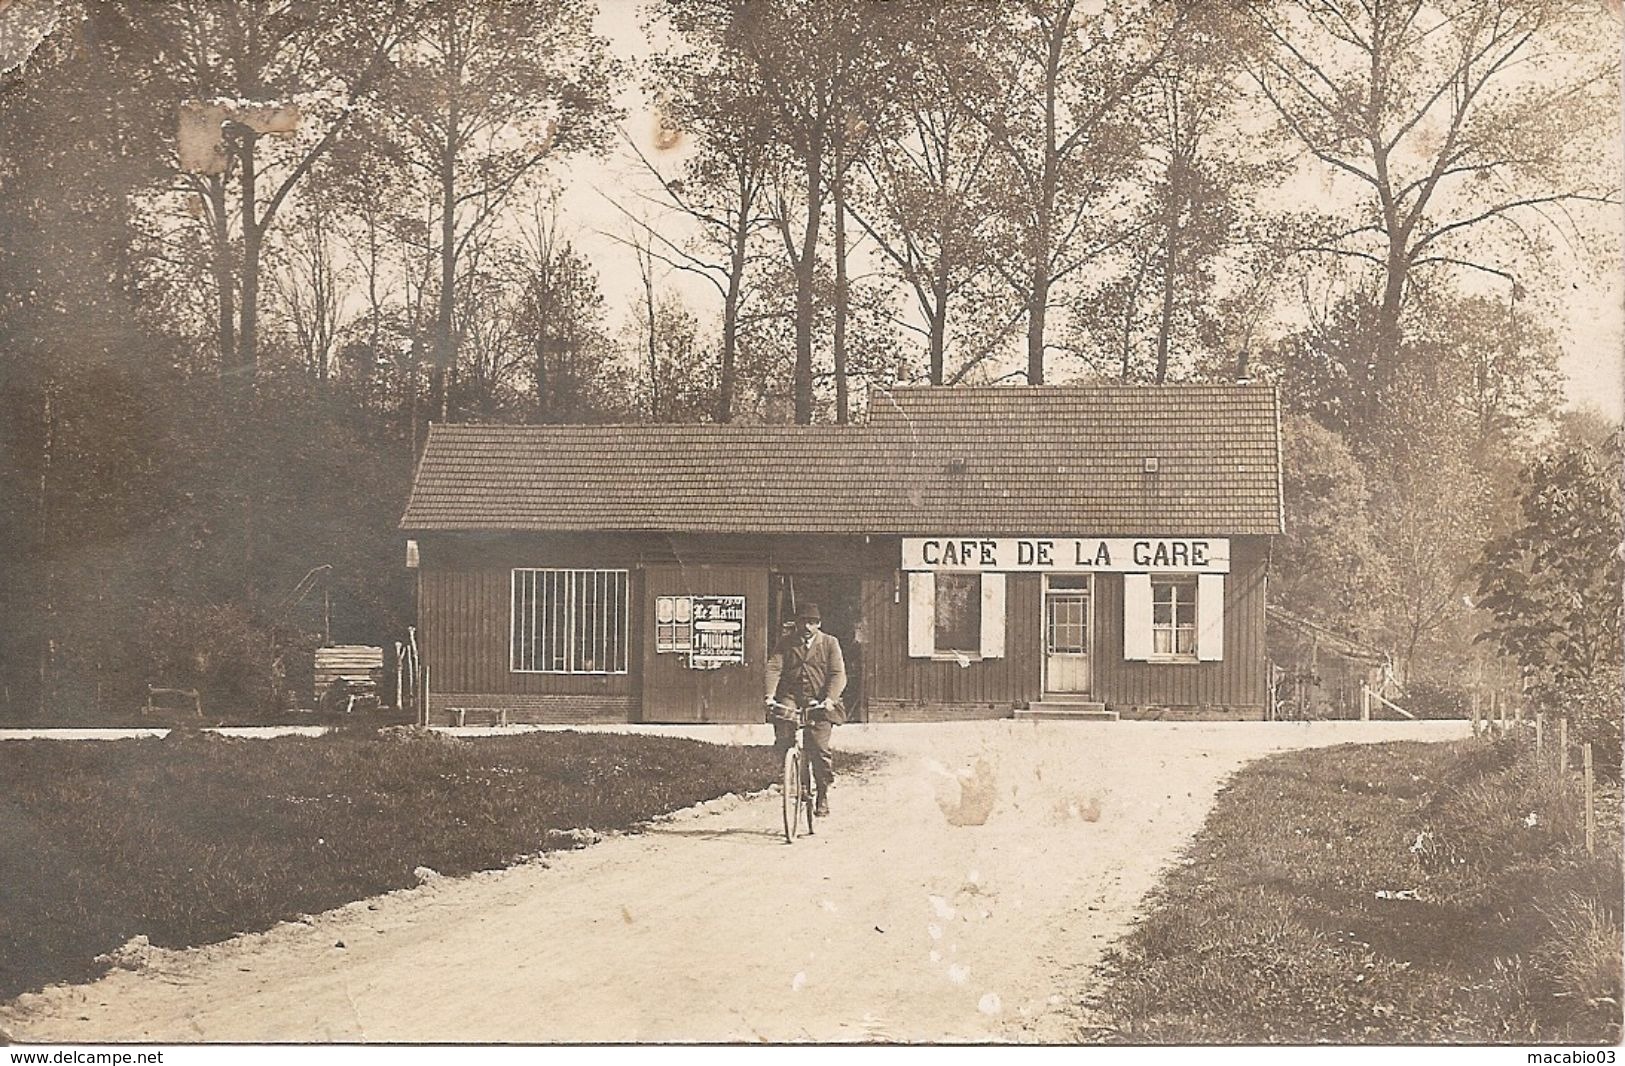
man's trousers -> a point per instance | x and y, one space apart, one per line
817 743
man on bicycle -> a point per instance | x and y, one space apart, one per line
807 667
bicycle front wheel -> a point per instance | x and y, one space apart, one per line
792 794
808 793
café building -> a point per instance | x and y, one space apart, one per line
1092 551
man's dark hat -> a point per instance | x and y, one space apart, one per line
808 612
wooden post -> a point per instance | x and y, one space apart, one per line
1540 736
1365 701
1562 744
1475 714
1591 806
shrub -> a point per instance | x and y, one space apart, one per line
1436 699
217 650
1593 704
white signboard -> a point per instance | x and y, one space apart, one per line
1199 555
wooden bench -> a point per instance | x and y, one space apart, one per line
499 715
188 693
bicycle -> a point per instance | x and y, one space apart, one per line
798 783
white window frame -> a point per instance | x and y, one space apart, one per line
922 618
1139 617
574 582
1180 583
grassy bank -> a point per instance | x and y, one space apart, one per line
194 838
1399 893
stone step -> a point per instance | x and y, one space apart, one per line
1066 710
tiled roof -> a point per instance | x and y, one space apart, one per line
1048 460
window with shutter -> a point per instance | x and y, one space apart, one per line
956 615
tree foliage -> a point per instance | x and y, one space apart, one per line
1552 584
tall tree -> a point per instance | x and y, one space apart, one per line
1163 312
478 102
1061 107
813 62
711 101
1465 131
932 194
265 88
560 322
80 125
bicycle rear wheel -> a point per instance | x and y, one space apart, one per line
792 794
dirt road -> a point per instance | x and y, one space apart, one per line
960 893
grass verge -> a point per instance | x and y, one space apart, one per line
195 838
1397 893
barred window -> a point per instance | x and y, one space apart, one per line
569 622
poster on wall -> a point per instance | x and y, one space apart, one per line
718 632
674 631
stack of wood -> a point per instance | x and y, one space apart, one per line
346 663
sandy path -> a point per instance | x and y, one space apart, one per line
901 920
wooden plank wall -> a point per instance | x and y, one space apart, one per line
465 589
1239 680
732 693
464 637
890 674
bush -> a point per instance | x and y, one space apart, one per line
217 650
1594 706
1437 699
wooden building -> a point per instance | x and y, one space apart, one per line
979 552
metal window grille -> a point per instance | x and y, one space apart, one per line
569 622
1173 616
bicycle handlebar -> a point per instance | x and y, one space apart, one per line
793 707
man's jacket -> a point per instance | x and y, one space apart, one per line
805 672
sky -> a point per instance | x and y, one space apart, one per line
1592 327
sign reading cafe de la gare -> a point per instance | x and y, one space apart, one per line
1206 555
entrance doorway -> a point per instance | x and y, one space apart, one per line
1067 633
840 601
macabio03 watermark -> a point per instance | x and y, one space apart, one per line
1578 1058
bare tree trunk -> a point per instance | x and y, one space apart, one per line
806 271
938 325
1049 188
224 277
47 639
730 339
1170 249
646 270
842 410
253 235
1037 309
444 356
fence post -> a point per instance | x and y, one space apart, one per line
1540 736
1365 701
1591 805
1475 714
1562 744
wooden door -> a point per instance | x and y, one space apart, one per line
674 691
1066 639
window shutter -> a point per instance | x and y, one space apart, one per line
922 614
1137 616
992 616
1210 617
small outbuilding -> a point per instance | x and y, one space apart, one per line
979 553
